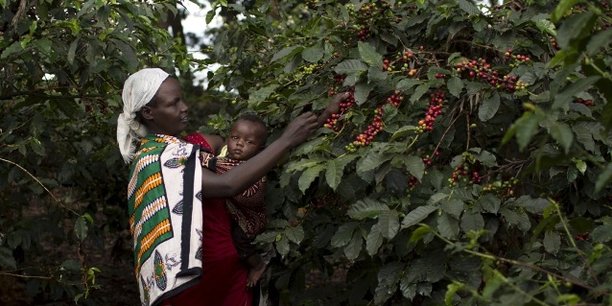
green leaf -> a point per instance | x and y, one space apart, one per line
562 8
285 52
469 7
584 134
415 166
352 250
489 203
295 234
448 226
72 50
366 208
516 218
371 161
552 242
262 94
524 128
563 56
376 74
71 265
406 84
282 246
335 169
492 284
343 235
210 15
361 93
580 165
575 27
417 215
488 108
541 21
419 92
308 176
604 178
532 205
409 290
562 133
80 228
350 66
452 206
598 41
455 85
369 55
388 277
7 260
313 54
419 233
451 290
563 98
388 222
602 233
486 158
374 240
472 222
12 49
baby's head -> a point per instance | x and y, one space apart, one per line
247 137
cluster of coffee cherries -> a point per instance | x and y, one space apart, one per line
503 188
517 58
366 137
403 57
346 104
464 173
428 159
480 69
586 102
338 80
436 100
553 43
363 33
440 75
412 182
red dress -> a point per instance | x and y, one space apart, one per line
224 276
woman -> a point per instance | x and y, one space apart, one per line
167 180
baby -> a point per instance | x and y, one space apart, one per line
247 137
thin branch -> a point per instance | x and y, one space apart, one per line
40 183
25 276
515 262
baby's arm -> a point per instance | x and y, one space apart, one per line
216 142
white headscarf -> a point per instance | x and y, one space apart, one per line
138 90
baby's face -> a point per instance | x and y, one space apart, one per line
245 140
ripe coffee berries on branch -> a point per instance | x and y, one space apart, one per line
436 100
345 105
366 137
363 33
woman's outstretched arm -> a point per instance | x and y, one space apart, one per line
238 179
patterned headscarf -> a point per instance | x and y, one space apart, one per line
138 90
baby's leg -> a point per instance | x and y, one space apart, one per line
256 269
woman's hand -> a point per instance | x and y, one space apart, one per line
332 108
300 129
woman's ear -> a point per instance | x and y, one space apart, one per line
146 112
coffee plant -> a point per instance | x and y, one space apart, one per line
470 163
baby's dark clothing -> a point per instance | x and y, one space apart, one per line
247 209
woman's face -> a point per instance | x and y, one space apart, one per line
167 114
245 140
